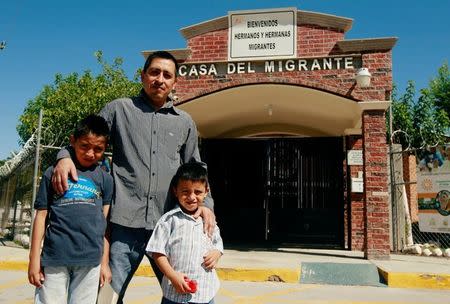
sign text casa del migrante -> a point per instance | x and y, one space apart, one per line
269 66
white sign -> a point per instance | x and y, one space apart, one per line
354 157
357 184
259 34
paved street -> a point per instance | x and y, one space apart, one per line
14 289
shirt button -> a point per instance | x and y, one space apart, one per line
154 152
153 174
154 132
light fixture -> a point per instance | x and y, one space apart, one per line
173 96
363 77
269 109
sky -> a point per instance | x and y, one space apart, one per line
53 36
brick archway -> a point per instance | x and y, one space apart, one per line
272 108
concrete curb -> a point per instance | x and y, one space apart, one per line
226 274
13 265
392 279
243 274
260 275
415 280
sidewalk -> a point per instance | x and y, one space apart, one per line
298 265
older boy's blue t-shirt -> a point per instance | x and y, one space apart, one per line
76 224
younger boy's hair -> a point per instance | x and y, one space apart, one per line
94 124
193 171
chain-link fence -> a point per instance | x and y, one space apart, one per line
420 193
412 171
16 191
15 202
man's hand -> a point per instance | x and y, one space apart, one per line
209 219
35 274
105 274
61 172
211 258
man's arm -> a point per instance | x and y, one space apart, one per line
191 153
211 259
64 165
62 170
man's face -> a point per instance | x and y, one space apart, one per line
158 80
88 149
190 194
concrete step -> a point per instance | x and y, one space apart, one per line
341 274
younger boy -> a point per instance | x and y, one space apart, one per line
183 252
73 224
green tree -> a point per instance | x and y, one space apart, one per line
426 119
430 123
402 113
72 97
439 89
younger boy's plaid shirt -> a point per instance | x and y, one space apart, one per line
180 237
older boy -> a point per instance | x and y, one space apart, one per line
73 224
182 250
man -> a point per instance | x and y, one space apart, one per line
151 139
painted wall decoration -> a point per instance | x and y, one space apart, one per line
433 189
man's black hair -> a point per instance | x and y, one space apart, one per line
193 171
160 54
94 124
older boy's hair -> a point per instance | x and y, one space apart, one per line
160 54
94 124
193 171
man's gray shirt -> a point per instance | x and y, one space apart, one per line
148 148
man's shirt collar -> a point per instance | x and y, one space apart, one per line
167 107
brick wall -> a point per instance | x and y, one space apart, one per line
376 208
313 41
356 200
212 46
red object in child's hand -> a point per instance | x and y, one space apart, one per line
192 285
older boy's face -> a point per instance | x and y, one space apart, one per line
88 149
190 194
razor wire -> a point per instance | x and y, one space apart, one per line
24 154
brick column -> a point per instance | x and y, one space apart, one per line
376 199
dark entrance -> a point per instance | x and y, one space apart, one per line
281 191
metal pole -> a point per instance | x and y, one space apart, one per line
36 166
393 211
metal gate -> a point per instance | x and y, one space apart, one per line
281 191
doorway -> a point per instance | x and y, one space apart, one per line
285 191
